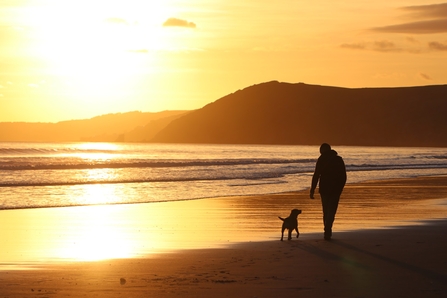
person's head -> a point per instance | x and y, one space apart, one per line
324 148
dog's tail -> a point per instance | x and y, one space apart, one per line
281 218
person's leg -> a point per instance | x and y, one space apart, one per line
325 204
330 205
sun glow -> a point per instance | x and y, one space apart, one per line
98 49
96 151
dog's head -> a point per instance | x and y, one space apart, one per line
295 212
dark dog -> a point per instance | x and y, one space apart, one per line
290 223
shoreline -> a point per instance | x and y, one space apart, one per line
390 238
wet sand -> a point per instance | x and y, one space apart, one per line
390 240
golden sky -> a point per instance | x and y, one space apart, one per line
76 59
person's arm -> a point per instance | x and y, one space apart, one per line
315 179
344 175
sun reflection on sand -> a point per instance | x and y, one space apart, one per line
95 235
89 233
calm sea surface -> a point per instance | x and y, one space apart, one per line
71 174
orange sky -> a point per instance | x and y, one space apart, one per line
77 59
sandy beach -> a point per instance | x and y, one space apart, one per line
390 240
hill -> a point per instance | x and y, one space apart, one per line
129 127
284 113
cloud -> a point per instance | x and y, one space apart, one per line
174 22
378 46
412 40
354 46
427 11
422 19
425 76
421 27
385 46
425 19
437 46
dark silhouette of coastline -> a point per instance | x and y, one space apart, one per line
120 127
271 113
301 114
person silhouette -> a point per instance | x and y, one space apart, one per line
330 175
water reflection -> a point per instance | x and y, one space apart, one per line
93 175
93 194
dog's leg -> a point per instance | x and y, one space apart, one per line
282 232
297 232
290 234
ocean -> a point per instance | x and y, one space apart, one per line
38 175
